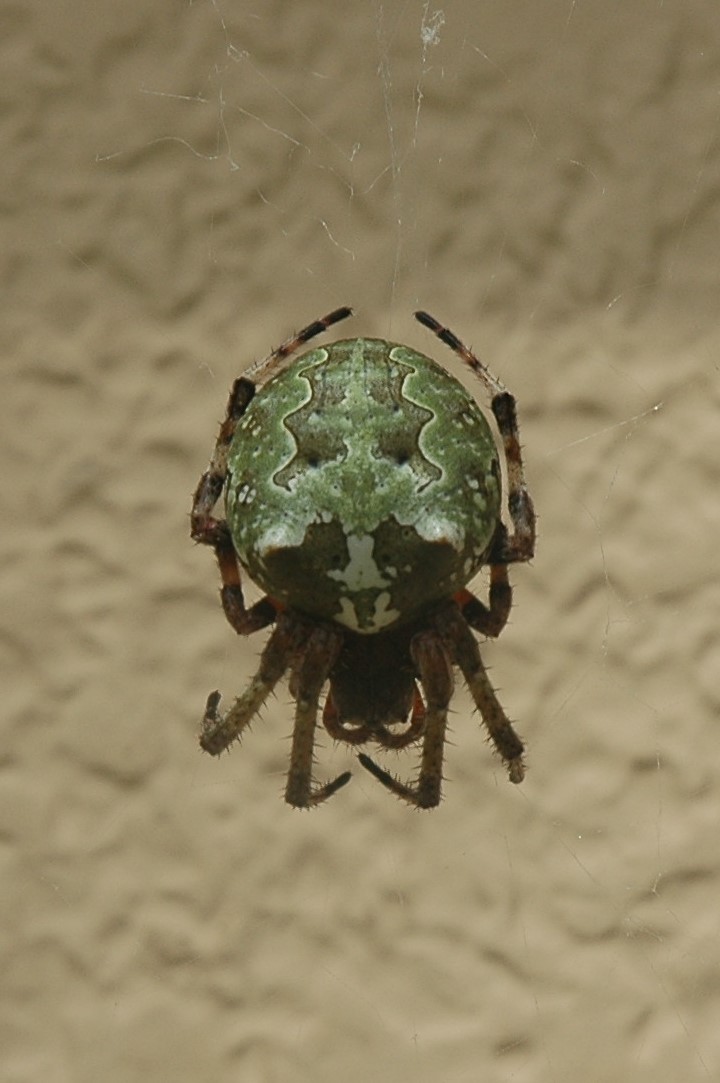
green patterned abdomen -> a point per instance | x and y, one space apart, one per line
363 484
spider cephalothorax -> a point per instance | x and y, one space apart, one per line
363 492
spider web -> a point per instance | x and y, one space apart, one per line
458 177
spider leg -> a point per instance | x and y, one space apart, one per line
219 731
413 732
435 670
488 620
465 652
341 731
207 530
204 527
316 658
520 545
261 371
360 734
244 621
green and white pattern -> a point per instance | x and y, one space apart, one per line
363 484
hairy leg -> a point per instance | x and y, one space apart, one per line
314 662
207 530
490 619
520 545
219 731
436 679
261 371
465 652
204 527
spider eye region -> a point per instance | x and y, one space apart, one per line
363 484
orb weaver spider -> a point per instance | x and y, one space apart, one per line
363 492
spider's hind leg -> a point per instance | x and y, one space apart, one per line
465 652
315 658
435 670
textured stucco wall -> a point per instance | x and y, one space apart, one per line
184 184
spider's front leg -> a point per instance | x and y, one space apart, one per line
316 656
520 545
207 530
433 664
203 527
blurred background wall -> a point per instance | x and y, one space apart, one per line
182 186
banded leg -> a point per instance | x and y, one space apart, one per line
261 371
207 530
204 527
520 545
436 679
488 620
317 656
464 651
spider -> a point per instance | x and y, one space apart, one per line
362 492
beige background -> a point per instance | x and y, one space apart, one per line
184 184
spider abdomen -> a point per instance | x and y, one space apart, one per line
363 484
